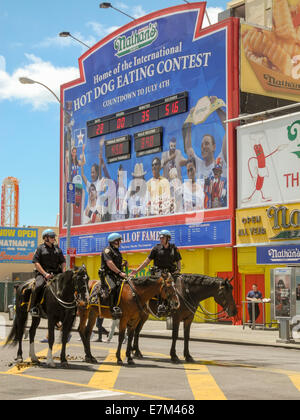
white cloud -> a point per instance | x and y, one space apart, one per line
39 70
212 14
101 30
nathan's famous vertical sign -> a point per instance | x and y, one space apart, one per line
17 245
146 121
270 59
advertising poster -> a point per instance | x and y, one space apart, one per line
17 245
146 123
268 162
270 59
283 292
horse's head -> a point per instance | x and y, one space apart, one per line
168 290
81 279
224 297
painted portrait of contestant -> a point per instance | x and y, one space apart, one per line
187 169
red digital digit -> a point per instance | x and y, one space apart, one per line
99 129
167 109
121 123
175 107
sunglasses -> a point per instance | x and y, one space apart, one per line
52 236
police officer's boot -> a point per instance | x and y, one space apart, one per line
116 311
33 309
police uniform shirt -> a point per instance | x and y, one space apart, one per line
111 254
49 257
165 257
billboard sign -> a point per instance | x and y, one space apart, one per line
270 58
17 245
146 125
268 155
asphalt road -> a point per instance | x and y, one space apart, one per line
221 372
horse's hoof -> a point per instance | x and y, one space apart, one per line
130 362
51 364
189 359
138 355
19 359
175 360
65 365
91 359
120 363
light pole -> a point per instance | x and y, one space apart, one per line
66 34
108 5
26 81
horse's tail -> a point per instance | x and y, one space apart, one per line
19 323
12 335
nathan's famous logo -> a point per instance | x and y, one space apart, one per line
138 39
293 134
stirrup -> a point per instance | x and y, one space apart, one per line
35 312
162 310
116 312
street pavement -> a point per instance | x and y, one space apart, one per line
206 332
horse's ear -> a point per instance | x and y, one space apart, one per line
230 280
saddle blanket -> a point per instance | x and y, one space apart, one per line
97 292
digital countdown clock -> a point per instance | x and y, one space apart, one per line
149 141
153 111
118 149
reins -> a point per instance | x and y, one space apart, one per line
65 305
193 309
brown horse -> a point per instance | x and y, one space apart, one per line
134 295
192 289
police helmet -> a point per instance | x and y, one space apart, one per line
114 237
166 233
48 232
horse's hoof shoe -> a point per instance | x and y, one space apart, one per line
175 360
120 363
131 363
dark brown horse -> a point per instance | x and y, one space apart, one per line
62 295
133 297
191 289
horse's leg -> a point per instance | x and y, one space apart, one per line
34 324
83 316
122 329
66 328
51 337
174 357
21 318
130 330
187 328
135 346
89 358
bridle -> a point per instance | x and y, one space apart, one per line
78 292
167 285
217 316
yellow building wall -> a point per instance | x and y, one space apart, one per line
196 261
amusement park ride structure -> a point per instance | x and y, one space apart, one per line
10 202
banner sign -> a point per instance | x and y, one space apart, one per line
268 156
200 234
17 245
286 254
146 123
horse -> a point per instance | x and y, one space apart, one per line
191 289
62 295
134 295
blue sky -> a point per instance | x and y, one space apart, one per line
29 114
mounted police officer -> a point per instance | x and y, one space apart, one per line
111 273
165 256
48 260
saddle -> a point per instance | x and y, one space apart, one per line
98 292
